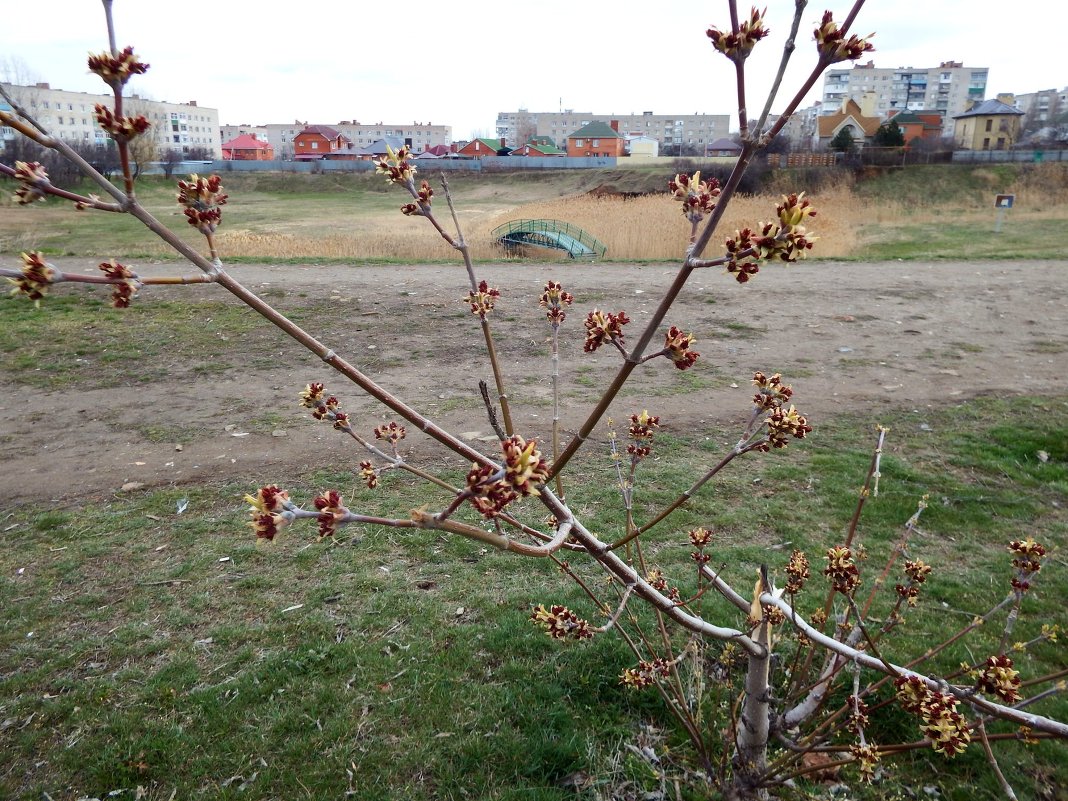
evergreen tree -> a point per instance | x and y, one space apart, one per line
889 135
843 141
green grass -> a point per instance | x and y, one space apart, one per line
76 337
940 184
968 238
139 647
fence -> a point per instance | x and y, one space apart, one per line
989 156
491 164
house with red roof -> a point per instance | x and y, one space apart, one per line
247 147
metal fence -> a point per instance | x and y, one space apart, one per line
491 164
990 156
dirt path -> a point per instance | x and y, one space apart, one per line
855 337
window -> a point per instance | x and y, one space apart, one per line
315 145
595 143
989 125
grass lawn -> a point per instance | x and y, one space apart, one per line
143 648
146 647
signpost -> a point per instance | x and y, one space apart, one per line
1002 203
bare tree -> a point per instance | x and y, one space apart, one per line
774 719
169 159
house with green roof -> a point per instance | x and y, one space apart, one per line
538 147
481 148
920 124
596 138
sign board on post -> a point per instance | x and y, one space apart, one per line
1002 203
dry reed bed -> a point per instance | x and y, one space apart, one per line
650 227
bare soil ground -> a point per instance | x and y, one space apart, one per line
859 338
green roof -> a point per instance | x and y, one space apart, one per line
548 150
493 144
596 130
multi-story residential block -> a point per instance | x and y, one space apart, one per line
6 133
418 136
672 131
950 88
1041 107
801 129
69 115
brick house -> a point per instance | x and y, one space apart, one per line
247 148
538 147
321 142
918 124
596 139
480 148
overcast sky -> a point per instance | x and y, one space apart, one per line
460 64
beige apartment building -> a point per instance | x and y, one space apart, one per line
418 135
672 131
1041 107
69 115
950 88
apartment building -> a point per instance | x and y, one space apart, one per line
69 115
950 88
1041 107
418 136
672 131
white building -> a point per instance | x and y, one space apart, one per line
672 131
417 135
69 115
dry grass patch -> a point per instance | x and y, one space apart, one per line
652 227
